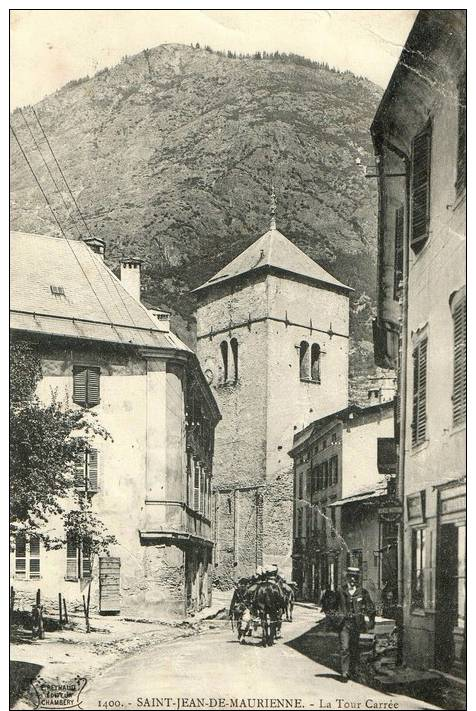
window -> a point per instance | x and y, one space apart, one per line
228 505
310 362
86 474
386 455
304 360
234 352
300 484
334 437
308 524
461 155
309 483
333 521
398 264
315 363
27 557
420 189
78 559
224 355
325 475
86 385
461 583
196 488
418 567
333 470
299 523
419 393
459 359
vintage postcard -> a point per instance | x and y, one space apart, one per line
238 359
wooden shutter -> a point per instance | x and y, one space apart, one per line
398 266
20 556
80 472
80 376
93 470
420 204
71 560
419 393
461 156
109 584
34 558
86 563
93 394
459 361
196 488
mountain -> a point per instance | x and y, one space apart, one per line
170 156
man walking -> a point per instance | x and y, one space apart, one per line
353 605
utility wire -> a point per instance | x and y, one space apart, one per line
37 181
59 224
60 170
59 191
50 173
82 216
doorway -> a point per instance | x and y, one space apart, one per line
450 632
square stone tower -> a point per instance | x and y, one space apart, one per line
273 342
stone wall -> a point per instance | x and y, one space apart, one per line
268 316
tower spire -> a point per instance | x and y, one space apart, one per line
272 225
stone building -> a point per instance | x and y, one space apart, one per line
103 351
273 340
343 479
419 134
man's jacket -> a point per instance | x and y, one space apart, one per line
352 609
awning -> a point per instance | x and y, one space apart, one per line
175 536
357 498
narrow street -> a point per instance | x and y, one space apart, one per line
212 666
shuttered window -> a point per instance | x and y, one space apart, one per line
398 266
86 474
196 488
78 560
459 362
86 388
420 203
27 558
419 392
20 557
461 156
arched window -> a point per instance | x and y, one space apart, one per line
234 351
304 370
224 355
315 362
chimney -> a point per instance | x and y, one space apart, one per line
163 318
130 276
97 245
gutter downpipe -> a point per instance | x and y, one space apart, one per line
403 352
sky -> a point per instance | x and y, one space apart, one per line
52 47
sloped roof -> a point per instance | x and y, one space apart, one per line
274 251
95 305
352 413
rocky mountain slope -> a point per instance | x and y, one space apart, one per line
170 155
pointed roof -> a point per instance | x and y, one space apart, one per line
274 252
